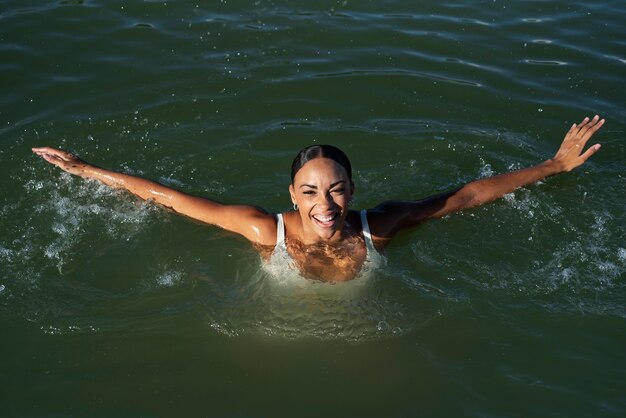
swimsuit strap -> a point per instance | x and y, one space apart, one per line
280 230
369 244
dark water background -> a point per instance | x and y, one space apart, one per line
113 307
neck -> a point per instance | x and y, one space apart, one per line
310 237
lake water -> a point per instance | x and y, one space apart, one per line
110 306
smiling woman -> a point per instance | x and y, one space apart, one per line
322 237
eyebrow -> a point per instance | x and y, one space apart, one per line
315 187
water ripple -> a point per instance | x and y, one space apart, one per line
386 73
544 62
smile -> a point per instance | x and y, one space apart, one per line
325 221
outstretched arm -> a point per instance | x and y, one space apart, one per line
392 216
251 222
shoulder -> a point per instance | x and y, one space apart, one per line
384 221
260 226
293 223
354 217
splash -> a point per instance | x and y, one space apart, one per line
281 303
46 229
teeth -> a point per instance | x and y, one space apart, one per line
324 218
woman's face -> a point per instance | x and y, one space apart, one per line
322 191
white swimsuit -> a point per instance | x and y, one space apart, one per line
280 259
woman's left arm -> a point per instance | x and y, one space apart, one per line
392 216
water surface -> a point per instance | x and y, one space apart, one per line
513 309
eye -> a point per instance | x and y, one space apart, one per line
308 192
338 191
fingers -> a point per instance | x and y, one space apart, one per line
54 153
576 128
580 134
42 152
592 127
45 150
588 127
592 150
55 160
572 153
571 130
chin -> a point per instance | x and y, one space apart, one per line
328 232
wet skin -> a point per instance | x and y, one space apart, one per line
322 191
323 232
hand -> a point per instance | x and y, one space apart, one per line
570 155
62 159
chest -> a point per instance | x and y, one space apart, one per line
328 262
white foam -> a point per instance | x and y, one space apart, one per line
523 201
170 278
6 254
282 271
60 210
485 169
67 329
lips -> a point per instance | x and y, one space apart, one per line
325 221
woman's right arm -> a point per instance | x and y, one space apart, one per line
253 223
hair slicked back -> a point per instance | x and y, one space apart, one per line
320 151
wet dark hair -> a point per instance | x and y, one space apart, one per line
320 151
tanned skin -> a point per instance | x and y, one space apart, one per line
322 192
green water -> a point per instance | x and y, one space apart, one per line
113 307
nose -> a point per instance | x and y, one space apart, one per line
326 200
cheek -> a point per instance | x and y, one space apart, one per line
304 202
342 200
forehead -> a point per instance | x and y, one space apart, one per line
321 169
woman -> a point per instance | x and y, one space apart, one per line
322 237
